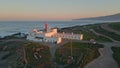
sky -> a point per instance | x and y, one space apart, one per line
56 9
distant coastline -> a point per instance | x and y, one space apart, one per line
113 17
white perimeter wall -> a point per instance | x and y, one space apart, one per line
70 36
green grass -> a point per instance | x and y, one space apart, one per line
83 53
11 45
115 26
89 35
14 57
107 33
116 54
30 54
98 29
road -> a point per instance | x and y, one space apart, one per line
53 48
105 60
99 34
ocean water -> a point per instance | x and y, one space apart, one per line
11 27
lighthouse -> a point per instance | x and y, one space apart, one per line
51 35
46 27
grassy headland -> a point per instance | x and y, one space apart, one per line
20 53
82 54
16 49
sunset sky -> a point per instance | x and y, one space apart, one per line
56 9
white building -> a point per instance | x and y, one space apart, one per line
51 35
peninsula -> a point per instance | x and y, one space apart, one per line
99 48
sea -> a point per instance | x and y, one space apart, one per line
12 27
